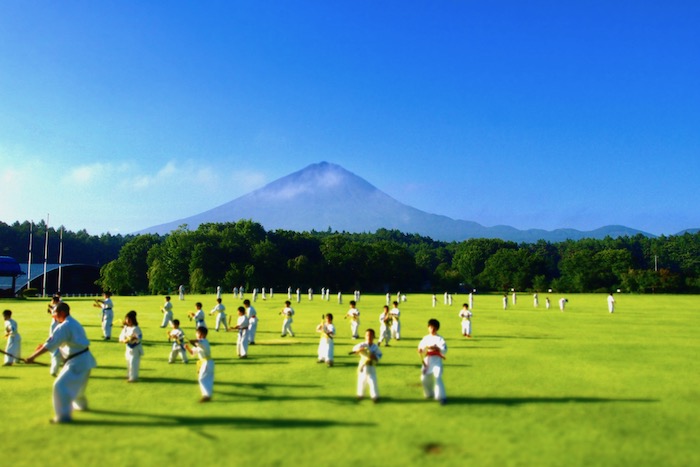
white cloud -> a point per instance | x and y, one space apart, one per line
114 197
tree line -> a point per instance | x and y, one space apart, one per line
245 254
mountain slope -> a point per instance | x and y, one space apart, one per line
325 195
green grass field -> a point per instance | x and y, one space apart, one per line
533 387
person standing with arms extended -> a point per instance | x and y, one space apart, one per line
69 387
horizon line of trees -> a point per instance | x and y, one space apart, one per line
245 254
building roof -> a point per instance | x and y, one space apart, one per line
9 267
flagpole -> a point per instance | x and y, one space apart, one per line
60 258
46 255
29 259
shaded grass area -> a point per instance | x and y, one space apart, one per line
533 386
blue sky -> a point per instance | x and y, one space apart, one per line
119 115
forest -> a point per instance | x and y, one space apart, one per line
244 254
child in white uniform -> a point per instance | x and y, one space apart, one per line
252 321
466 316
354 315
14 340
432 349
366 370
177 336
107 314
198 316
205 365
131 336
326 346
220 311
242 327
167 310
396 322
385 327
288 312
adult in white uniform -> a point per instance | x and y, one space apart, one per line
69 387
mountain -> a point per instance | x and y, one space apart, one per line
325 195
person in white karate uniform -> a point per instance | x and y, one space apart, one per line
242 328
14 340
220 311
395 321
466 316
354 315
326 346
288 313
252 321
432 349
167 310
369 353
177 337
205 364
132 336
69 387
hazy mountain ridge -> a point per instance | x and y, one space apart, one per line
326 195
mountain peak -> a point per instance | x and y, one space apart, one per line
325 195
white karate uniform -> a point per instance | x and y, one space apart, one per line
367 370
252 324
242 340
178 338
466 316
384 328
132 336
205 372
354 315
326 347
220 311
107 317
69 387
199 319
395 323
167 314
287 323
14 342
431 374
611 303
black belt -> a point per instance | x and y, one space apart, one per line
78 353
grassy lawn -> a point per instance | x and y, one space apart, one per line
532 387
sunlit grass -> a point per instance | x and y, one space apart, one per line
534 386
